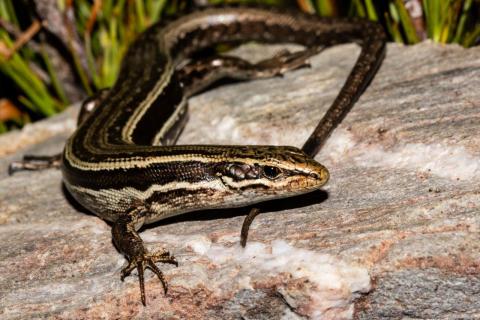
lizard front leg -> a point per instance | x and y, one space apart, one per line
128 242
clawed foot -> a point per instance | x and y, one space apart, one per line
35 163
148 260
285 60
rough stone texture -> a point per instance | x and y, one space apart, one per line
395 233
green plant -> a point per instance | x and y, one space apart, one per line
106 28
443 21
15 64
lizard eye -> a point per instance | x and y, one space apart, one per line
271 172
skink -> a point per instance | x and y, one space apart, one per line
121 163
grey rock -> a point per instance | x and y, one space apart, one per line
394 234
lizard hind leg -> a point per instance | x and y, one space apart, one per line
30 162
128 242
197 75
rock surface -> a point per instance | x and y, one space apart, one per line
395 233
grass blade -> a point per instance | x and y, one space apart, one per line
407 24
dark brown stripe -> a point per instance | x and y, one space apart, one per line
158 113
141 178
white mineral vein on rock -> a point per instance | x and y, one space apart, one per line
394 234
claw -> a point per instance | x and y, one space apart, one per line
148 260
141 279
159 274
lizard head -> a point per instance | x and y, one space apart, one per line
259 173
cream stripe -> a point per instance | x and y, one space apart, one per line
170 121
139 162
248 182
142 108
143 195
